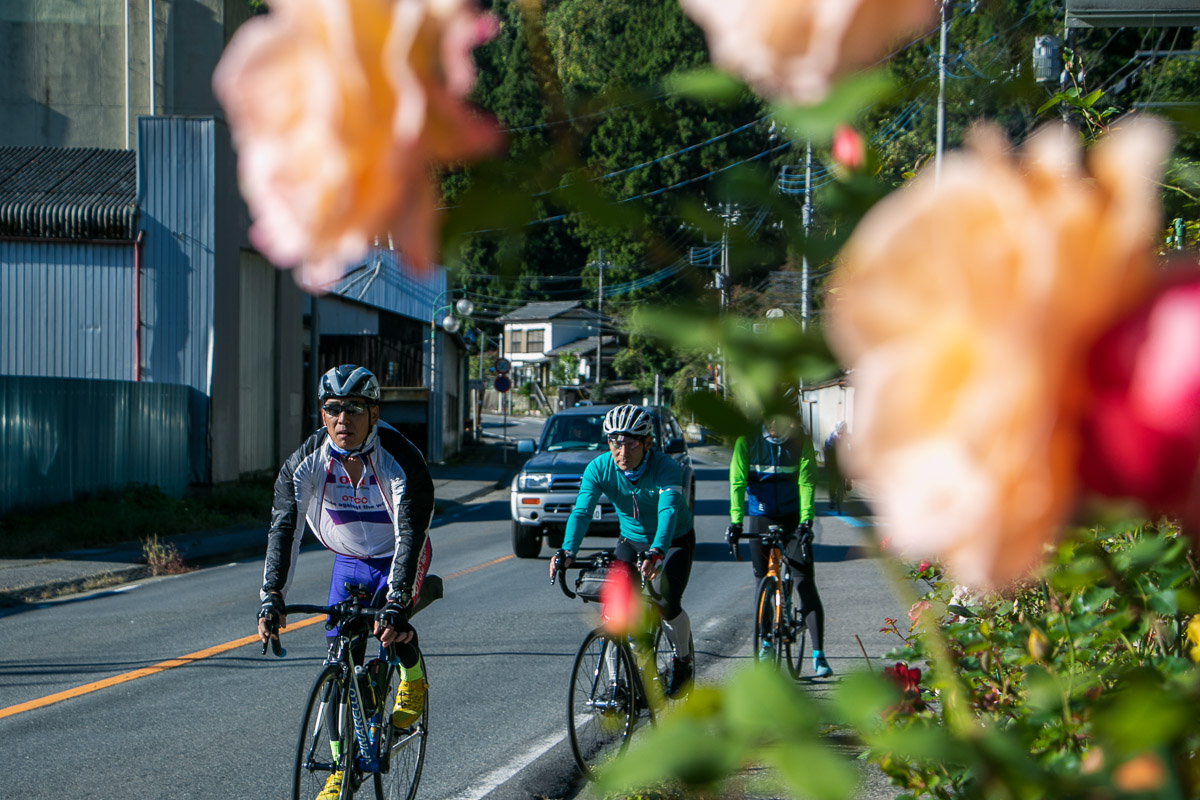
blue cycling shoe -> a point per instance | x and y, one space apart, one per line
821 667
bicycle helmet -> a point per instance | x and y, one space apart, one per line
630 419
348 381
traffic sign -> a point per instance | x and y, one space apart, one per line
503 365
503 384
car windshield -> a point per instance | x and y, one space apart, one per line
574 432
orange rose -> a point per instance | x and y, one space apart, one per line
965 309
795 48
338 109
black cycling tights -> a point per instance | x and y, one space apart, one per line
802 574
676 569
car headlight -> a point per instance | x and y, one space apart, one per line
533 481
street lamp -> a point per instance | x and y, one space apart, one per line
450 324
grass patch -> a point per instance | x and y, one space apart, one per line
138 512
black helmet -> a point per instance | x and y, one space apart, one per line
348 381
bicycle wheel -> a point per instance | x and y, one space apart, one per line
600 706
326 741
766 618
799 634
402 752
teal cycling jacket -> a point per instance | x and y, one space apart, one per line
652 510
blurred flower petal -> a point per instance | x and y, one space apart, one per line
1142 430
796 48
339 110
965 308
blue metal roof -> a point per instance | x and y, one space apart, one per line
68 193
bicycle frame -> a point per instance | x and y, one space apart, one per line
786 628
376 744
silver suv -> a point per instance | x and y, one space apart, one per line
544 491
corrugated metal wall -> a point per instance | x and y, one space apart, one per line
256 363
68 309
62 437
176 200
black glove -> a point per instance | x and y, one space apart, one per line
271 610
561 559
394 615
805 535
654 557
732 533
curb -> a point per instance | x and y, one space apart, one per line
42 592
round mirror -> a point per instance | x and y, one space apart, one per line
465 307
450 324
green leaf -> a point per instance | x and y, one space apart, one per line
812 769
681 748
760 687
843 104
705 83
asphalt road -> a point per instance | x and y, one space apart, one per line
222 723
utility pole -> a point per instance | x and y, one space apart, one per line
807 217
729 215
599 319
941 105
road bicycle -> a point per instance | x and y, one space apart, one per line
347 723
779 627
612 692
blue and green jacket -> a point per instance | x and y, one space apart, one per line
772 480
651 510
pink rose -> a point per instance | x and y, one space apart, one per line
796 48
848 147
1142 431
965 309
620 601
338 110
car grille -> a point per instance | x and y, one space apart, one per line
565 483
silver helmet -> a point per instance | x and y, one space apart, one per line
630 419
348 380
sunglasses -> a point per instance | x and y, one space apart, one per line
624 441
337 409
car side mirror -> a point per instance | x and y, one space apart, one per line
675 445
526 446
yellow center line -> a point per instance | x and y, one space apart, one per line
162 666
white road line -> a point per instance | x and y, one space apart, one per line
499 777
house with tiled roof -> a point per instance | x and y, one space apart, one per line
537 333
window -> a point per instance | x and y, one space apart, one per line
535 341
517 345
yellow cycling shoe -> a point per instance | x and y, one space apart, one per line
333 786
410 702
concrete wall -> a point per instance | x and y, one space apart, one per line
65 66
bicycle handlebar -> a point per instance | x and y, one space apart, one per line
773 536
601 559
339 613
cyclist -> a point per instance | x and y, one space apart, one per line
771 482
646 489
367 495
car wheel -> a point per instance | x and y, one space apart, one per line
554 537
526 541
